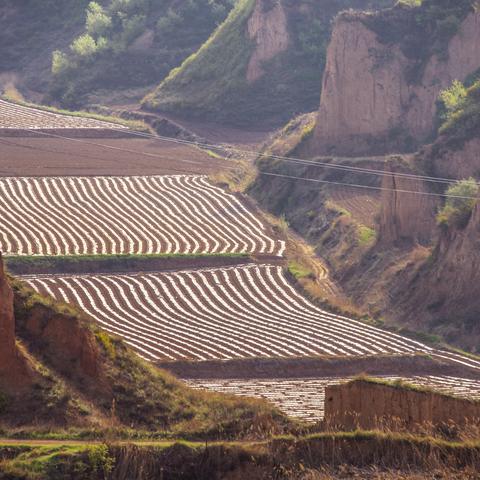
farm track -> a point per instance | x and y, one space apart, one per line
224 313
304 398
126 215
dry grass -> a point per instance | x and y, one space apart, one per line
237 179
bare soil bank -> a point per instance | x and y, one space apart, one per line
363 404
127 263
132 156
315 367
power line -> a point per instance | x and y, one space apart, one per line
272 174
314 163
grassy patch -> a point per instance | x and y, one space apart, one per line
300 271
366 235
60 462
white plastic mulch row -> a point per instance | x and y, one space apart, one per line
304 398
224 313
13 116
126 215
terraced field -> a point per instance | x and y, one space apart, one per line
240 312
126 215
304 398
13 116
363 206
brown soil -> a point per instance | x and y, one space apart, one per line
364 206
363 404
124 265
135 156
404 366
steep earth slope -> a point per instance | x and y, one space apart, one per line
384 73
403 265
29 32
262 65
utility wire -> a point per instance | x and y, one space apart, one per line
314 163
263 173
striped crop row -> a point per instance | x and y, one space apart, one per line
126 215
21 117
305 397
222 313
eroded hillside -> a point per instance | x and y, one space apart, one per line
263 65
27 43
400 248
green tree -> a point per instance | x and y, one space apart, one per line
60 62
98 22
461 199
453 98
84 46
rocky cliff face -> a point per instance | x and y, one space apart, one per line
15 371
268 28
444 161
368 405
441 294
7 320
368 103
406 216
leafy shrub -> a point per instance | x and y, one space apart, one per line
366 235
463 122
98 22
84 46
100 459
132 28
107 344
169 22
60 62
453 98
462 197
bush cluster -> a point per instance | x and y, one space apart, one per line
102 54
461 199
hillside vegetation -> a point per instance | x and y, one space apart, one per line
233 78
131 44
27 42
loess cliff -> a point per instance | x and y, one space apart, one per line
382 238
262 66
379 90
370 404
